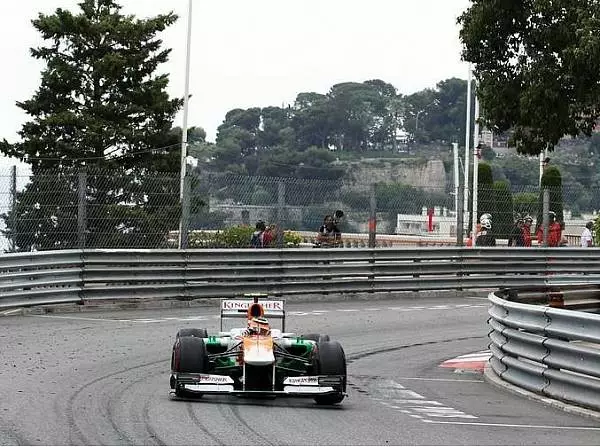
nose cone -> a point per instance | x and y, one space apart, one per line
258 351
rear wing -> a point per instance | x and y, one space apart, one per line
238 307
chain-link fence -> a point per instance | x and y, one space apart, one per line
88 209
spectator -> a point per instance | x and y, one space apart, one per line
486 238
526 231
329 235
516 235
586 235
554 231
268 236
257 240
563 239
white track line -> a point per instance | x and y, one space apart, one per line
489 424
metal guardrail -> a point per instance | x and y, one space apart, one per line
51 277
553 352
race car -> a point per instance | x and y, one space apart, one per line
257 360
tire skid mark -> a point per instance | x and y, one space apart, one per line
201 426
74 429
233 410
236 412
146 417
110 410
145 413
370 352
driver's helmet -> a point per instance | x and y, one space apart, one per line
259 325
552 216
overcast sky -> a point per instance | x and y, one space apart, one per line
263 52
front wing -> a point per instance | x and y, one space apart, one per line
299 386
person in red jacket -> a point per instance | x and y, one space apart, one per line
526 231
554 232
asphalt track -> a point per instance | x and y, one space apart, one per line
102 378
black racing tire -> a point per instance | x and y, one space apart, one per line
316 337
192 332
189 356
331 361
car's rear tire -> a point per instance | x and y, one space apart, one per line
192 332
316 337
189 356
331 361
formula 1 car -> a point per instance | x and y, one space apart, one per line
257 360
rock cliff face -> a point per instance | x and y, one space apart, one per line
426 174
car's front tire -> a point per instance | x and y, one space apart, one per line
331 361
189 356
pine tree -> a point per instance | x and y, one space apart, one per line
101 107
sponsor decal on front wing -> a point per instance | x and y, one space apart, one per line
211 378
302 381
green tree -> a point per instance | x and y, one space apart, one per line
101 105
446 122
537 64
525 203
312 120
487 153
519 170
503 219
354 110
420 106
552 180
486 194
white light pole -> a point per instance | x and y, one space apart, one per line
184 127
456 181
475 169
467 153
543 155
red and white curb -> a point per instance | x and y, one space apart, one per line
471 362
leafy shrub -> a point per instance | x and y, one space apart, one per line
291 239
234 237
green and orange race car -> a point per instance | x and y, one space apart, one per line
257 359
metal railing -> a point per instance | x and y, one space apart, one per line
550 351
82 275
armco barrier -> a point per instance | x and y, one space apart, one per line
81 275
553 352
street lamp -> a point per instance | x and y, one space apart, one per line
184 129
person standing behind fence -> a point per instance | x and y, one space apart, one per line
586 235
329 235
554 231
516 235
257 239
486 238
268 236
526 231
